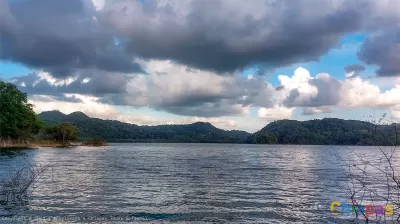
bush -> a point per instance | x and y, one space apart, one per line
63 133
97 141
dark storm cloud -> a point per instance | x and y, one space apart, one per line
59 36
223 36
383 50
355 69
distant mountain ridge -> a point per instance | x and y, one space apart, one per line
328 131
116 131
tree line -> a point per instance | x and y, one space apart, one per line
116 131
20 124
328 131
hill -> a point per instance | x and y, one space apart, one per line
328 131
116 131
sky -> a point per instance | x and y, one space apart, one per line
236 64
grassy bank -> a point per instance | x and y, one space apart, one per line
29 144
48 144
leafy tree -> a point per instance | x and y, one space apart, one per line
17 118
63 133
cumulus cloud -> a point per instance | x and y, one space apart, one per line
302 90
275 113
181 90
317 110
360 93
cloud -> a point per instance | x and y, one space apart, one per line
62 37
359 93
98 4
168 86
180 90
89 82
395 111
59 36
317 110
302 90
185 91
383 50
275 113
68 98
225 35
353 70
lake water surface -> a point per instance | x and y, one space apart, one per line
183 183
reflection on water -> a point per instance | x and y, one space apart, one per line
186 183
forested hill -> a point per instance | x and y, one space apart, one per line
328 131
116 131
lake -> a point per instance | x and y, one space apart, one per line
183 183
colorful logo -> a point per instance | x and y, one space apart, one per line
337 208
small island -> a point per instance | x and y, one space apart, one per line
96 142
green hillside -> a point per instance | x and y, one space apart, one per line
328 131
116 131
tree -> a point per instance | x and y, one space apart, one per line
373 186
18 121
63 133
96 141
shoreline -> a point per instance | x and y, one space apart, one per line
36 145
